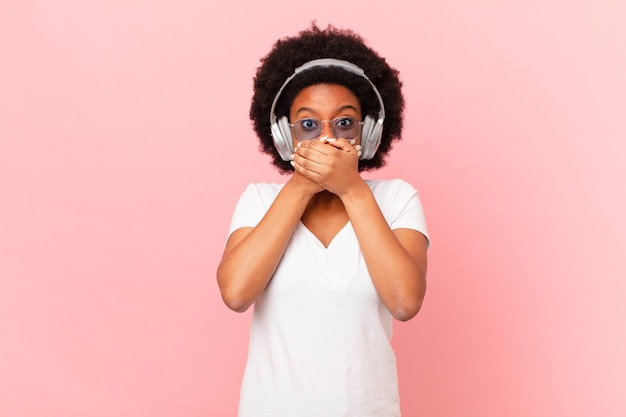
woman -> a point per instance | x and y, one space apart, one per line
328 259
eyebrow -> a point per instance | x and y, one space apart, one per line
339 110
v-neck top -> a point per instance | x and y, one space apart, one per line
320 335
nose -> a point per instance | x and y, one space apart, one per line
327 129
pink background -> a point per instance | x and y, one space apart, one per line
125 142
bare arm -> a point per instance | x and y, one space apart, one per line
396 260
252 255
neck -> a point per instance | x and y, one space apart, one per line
326 207
325 199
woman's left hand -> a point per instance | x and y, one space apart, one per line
332 163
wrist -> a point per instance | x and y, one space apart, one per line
302 187
356 192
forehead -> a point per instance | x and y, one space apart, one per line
325 97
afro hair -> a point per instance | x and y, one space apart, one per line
313 43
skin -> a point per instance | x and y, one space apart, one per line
326 191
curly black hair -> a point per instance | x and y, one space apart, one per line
313 43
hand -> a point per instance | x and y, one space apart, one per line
331 163
305 184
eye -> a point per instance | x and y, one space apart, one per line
309 124
344 123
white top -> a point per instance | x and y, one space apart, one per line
320 335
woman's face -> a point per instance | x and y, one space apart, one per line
326 102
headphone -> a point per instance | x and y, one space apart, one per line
371 130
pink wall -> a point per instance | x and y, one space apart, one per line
125 142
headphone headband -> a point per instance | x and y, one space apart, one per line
328 62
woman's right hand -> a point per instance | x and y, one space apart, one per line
252 254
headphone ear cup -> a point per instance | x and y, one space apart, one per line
371 133
281 134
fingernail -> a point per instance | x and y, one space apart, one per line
299 144
293 156
359 153
352 141
293 164
357 147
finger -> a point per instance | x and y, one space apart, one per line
313 148
346 145
343 144
304 162
320 145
